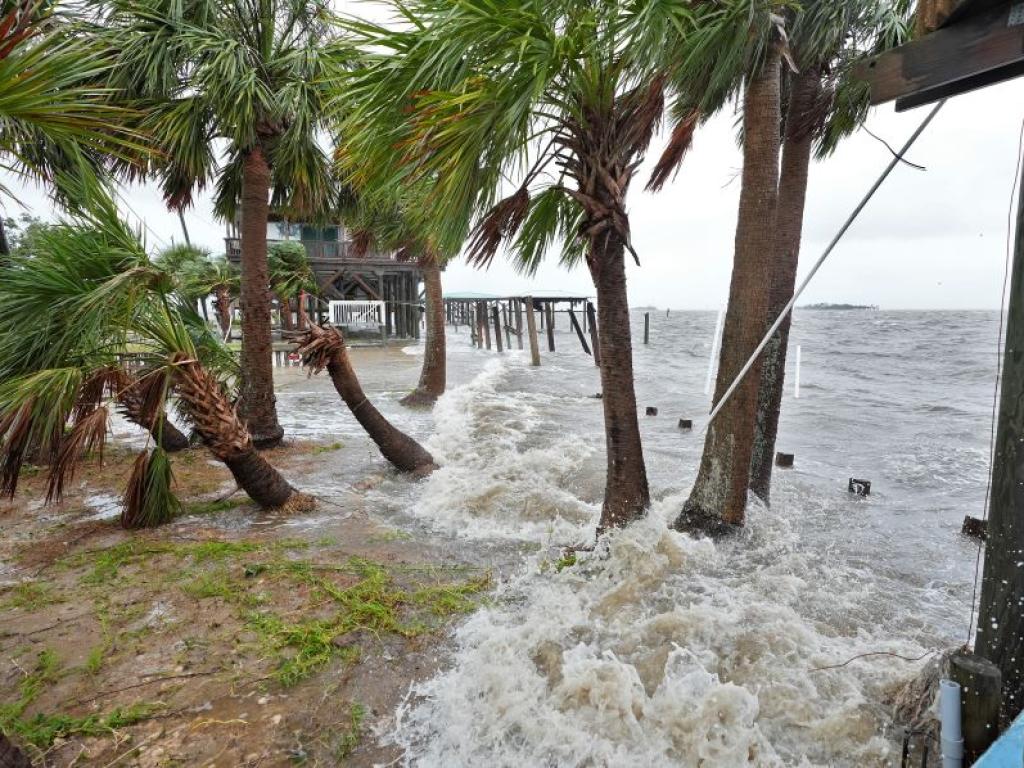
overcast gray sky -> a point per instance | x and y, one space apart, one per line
929 239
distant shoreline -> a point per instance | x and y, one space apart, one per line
825 305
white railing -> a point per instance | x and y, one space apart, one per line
357 314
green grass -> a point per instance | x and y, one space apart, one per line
566 561
42 730
30 596
212 507
350 737
318 449
211 584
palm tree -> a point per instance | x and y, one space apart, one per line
291 277
825 104
324 348
123 306
252 74
562 99
217 277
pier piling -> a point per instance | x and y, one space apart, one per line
531 326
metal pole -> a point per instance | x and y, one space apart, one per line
817 265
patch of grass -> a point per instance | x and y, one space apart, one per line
211 584
565 561
212 507
217 550
454 598
318 449
300 648
45 671
30 596
43 729
94 661
350 737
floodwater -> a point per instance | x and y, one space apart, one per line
658 650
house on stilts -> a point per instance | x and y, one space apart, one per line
376 292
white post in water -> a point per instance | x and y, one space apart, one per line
715 341
949 715
796 383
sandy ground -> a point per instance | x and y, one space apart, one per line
222 639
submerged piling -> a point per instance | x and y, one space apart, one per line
531 328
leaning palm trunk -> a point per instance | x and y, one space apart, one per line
256 389
433 374
209 409
789 220
324 347
132 405
718 499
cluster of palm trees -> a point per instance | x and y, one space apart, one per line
476 127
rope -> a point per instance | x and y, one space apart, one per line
999 371
817 265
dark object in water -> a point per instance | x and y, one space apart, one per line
686 423
859 487
652 411
598 395
981 685
784 460
975 528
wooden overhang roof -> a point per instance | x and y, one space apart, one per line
980 43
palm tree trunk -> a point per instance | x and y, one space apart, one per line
718 499
226 436
626 494
433 373
223 306
256 405
325 348
789 221
301 314
132 406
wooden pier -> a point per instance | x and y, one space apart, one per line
499 322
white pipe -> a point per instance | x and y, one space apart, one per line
949 715
715 341
796 384
817 265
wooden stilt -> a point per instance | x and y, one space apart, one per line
487 325
519 323
980 687
496 315
531 327
647 327
579 330
592 316
551 327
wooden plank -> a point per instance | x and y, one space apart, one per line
980 50
365 286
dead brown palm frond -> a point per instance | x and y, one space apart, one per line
362 240
96 388
150 393
678 145
501 223
15 429
203 401
88 434
318 346
640 115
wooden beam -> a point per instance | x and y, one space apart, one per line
980 50
365 286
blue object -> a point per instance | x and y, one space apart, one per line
1008 749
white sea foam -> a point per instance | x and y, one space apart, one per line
658 650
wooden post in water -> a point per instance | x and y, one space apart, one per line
579 330
592 316
647 327
531 328
550 309
486 323
519 323
507 309
1000 628
496 314
980 684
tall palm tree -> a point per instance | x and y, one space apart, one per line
251 76
98 300
825 104
217 277
561 98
